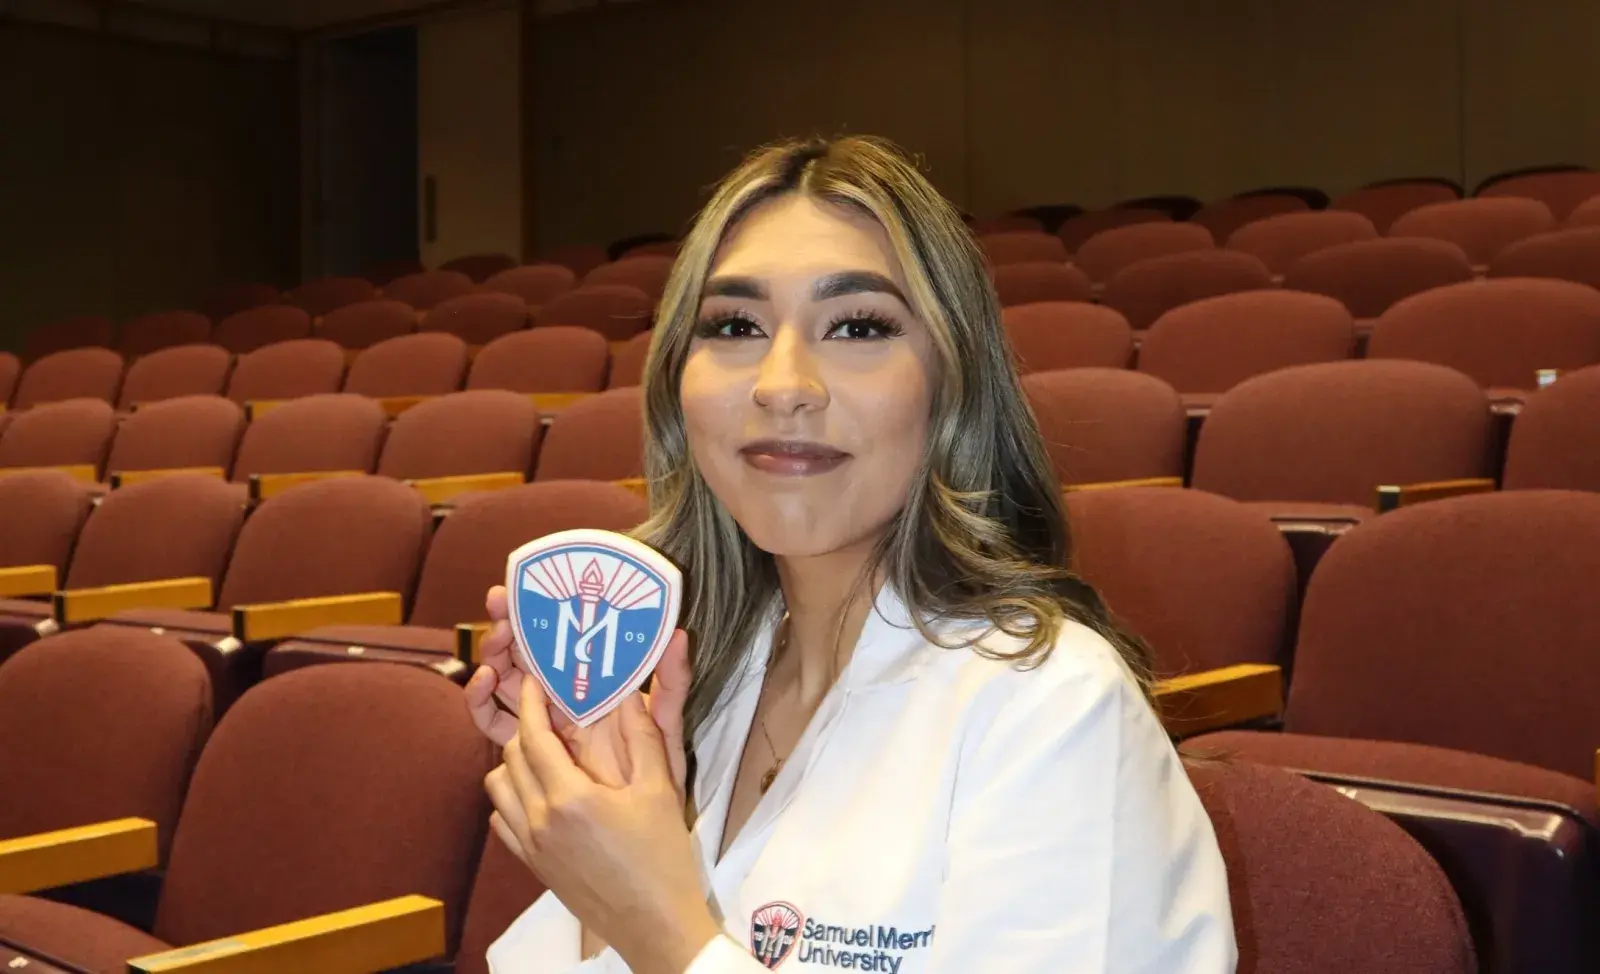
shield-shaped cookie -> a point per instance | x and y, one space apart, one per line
591 613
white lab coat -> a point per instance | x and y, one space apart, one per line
944 813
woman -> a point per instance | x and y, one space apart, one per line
918 743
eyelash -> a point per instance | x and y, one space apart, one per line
883 326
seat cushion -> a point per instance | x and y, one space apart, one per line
413 645
176 621
421 638
1400 762
1312 512
74 936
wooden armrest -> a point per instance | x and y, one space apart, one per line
76 855
438 490
127 478
395 405
375 937
1392 497
88 604
1198 702
469 635
552 403
27 580
637 485
257 408
1142 482
275 620
265 486
87 473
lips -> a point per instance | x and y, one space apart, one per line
792 458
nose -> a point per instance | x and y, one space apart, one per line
788 380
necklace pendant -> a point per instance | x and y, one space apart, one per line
771 776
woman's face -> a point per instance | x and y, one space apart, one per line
807 387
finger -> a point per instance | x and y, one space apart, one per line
542 750
494 723
530 795
509 838
669 688
647 752
508 805
496 603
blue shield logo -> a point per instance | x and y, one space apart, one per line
594 612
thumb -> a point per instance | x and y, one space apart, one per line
647 751
669 688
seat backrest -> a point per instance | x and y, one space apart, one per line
1035 281
256 328
1420 625
287 370
1223 217
1334 432
1022 247
1586 214
469 550
480 267
329 787
78 373
535 284
578 258
628 361
425 364
1147 289
366 323
1206 581
1103 425
1109 251
162 329
44 511
340 536
335 431
181 526
599 438
230 299
1555 441
1569 255
1369 276
1562 192
558 358
1482 227
179 370
327 294
1005 223
1500 332
648 273
502 890
100 724
427 289
1053 335
1364 896
1281 240
10 369
385 271
1074 230
1213 344
1387 202
616 311
482 431
59 434
189 431
83 331
478 319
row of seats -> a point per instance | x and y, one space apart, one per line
556 359
360 785
448 444
616 311
1207 581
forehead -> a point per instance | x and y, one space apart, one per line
799 236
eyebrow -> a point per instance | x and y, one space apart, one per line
735 287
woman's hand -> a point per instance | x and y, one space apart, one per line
619 854
598 749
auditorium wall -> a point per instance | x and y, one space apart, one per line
639 107
135 175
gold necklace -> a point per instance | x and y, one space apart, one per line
771 773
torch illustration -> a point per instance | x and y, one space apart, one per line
589 589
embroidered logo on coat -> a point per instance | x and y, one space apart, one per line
774 930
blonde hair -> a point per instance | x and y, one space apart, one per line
982 534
